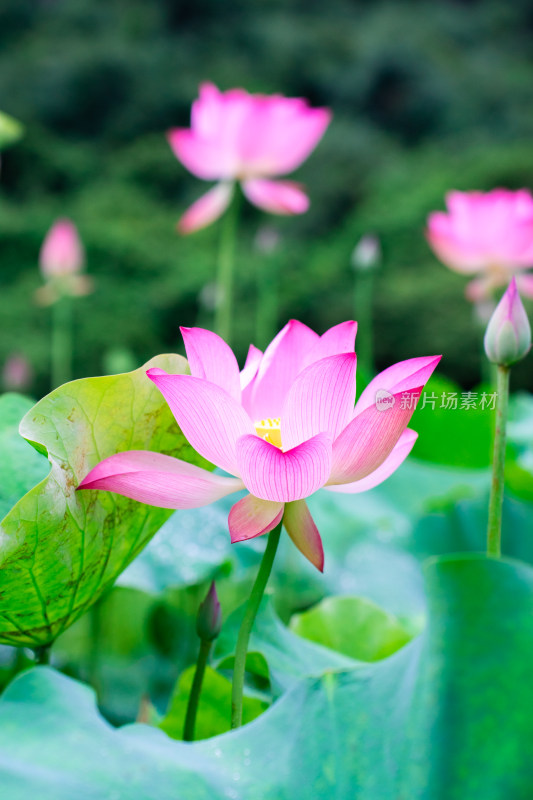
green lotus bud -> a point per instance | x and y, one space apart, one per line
508 335
209 619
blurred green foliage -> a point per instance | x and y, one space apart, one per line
425 97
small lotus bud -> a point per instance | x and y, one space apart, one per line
17 374
209 619
508 335
367 253
62 251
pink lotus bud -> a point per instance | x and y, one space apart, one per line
62 251
17 374
508 335
209 619
366 253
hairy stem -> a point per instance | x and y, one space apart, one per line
196 690
226 270
494 531
254 601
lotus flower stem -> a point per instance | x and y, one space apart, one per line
61 342
196 689
364 301
254 601
267 301
494 531
226 270
42 654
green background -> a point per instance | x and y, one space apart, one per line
425 96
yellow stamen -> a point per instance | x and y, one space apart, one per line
269 430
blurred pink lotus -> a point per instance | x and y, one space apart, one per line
62 259
17 374
237 136
490 234
62 251
284 427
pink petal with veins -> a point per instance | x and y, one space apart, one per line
252 517
159 480
397 456
301 527
211 358
401 377
282 361
339 339
211 420
368 440
321 400
271 474
248 374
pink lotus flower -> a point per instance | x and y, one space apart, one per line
283 428
488 234
62 259
236 136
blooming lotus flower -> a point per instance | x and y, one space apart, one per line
508 335
250 138
489 234
283 428
61 260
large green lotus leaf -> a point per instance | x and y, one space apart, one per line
353 626
191 547
287 656
448 717
61 549
21 467
10 130
214 708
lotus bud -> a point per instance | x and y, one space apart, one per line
209 619
367 253
508 335
17 374
62 251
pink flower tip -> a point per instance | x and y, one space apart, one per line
508 335
62 252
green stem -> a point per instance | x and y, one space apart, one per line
267 300
42 654
225 271
94 616
494 530
61 341
254 601
363 303
196 689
